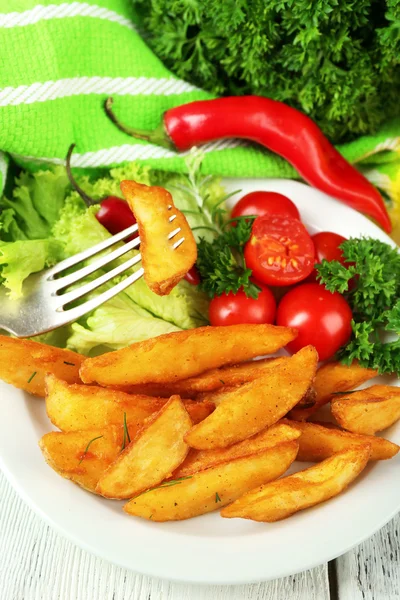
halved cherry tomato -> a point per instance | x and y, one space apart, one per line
193 276
236 309
265 203
279 251
322 319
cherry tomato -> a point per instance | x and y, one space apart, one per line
321 318
236 309
326 244
265 203
279 251
115 215
193 276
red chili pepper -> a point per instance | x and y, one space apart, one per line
276 126
193 276
114 213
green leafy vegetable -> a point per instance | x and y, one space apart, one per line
221 262
20 259
370 282
45 222
337 60
35 205
217 498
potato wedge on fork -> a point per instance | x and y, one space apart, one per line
165 261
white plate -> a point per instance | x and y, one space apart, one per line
207 549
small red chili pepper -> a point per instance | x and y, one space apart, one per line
114 213
193 276
276 126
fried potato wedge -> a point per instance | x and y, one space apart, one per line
250 408
210 381
157 450
218 396
280 499
164 266
78 407
368 411
330 379
24 364
183 354
213 488
318 442
198 460
83 456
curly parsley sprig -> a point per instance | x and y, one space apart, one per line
370 282
221 262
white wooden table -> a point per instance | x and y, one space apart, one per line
38 564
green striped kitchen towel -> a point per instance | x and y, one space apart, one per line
60 59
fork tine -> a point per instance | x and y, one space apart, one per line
73 295
77 258
63 282
75 313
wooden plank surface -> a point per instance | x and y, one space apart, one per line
38 564
372 570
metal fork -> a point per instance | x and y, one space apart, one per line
44 306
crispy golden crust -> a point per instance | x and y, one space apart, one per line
331 378
179 355
163 265
368 411
319 441
157 450
248 409
280 499
25 363
78 407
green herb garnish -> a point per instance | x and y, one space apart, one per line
126 434
68 363
217 498
336 61
88 446
32 376
370 283
221 262
168 483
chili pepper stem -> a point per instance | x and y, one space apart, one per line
87 200
158 136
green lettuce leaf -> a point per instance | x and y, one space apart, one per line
115 325
186 306
45 222
35 205
20 259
